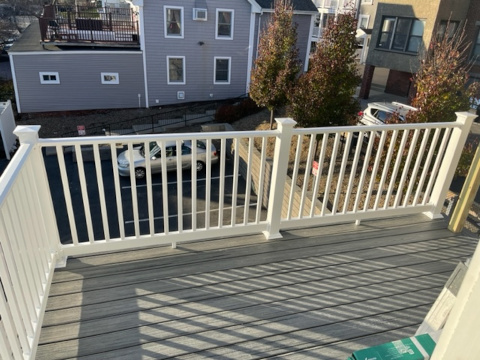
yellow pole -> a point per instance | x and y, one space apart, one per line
465 200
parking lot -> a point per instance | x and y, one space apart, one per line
193 209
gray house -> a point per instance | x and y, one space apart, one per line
143 54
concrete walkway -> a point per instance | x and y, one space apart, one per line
377 93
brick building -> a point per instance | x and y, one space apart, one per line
402 31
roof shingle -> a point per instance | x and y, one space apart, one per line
298 5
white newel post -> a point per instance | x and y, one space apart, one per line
279 176
450 161
29 135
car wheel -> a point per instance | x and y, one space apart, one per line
140 173
200 166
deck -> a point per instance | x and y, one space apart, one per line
317 293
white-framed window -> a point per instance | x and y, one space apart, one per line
173 16
363 21
401 34
176 70
222 70
110 78
366 2
224 24
49 78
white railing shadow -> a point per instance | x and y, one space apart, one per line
47 188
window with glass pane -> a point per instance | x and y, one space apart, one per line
416 35
222 70
363 22
49 78
401 34
386 33
476 47
224 24
175 70
447 28
174 22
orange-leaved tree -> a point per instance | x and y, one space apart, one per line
324 95
277 65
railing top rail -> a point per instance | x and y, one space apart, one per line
15 166
357 128
91 140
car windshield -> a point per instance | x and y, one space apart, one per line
384 116
154 149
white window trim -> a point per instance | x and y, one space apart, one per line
182 23
42 81
367 2
232 26
215 70
363 17
168 71
110 82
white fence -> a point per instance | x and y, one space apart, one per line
64 197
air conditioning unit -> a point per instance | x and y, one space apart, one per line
200 14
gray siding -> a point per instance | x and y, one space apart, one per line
303 31
199 59
80 85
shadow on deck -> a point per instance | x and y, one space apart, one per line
318 293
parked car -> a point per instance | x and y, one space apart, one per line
7 44
138 156
378 113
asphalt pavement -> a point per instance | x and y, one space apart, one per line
5 70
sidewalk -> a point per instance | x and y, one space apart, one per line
377 95
377 89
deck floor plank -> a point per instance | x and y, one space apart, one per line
254 302
225 260
320 293
335 350
101 303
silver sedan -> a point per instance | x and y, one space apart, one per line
138 156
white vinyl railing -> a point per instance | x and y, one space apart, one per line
28 244
379 171
64 197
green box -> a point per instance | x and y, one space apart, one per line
418 347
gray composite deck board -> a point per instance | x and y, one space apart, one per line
319 292
338 349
